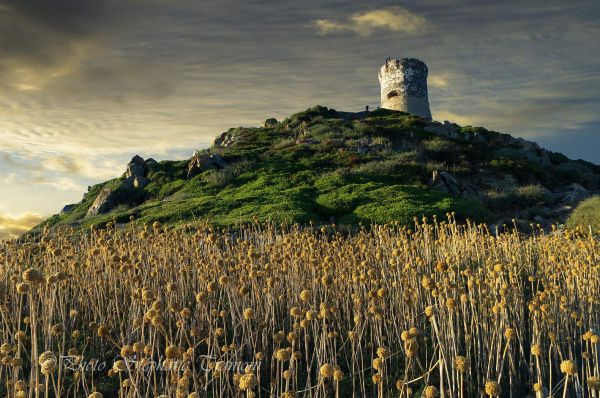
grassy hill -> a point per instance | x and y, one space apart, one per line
324 166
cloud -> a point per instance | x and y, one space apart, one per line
91 167
438 81
65 184
41 41
394 19
13 226
85 85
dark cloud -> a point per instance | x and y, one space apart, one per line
41 31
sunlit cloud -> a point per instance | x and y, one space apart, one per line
395 19
23 76
65 184
11 226
89 167
438 81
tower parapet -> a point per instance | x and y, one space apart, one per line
404 86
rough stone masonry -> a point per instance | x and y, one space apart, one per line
404 86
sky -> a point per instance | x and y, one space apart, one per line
85 85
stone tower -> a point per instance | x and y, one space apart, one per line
404 86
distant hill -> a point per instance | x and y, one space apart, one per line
324 166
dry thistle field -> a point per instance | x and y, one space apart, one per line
437 310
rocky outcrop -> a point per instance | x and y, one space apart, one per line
446 129
226 139
475 137
445 182
67 208
574 194
135 176
533 152
104 202
271 122
110 197
202 161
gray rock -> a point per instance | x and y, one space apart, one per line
104 202
135 178
226 139
137 159
474 137
134 182
478 138
202 161
135 174
67 208
135 170
533 152
136 167
575 194
271 122
445 182
140 182
447 129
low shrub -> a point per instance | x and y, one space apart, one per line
587 214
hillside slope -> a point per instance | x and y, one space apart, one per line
324 166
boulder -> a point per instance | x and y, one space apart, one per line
135 174
104 202
445 182
67 208
226 139
134 182
271 122
202 161
574 194
533 152
135 170
108 199
136 167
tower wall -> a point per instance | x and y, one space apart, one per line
404 86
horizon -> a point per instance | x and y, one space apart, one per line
86 86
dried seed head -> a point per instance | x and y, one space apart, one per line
492 388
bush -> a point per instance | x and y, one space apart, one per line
530 195
525 196
587 214
223 177
439 146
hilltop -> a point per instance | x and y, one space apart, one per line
324 166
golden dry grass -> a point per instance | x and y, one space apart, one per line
436 310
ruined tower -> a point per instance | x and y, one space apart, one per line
404 86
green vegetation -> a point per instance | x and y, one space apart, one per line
316 166
587 214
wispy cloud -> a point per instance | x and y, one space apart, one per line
438 81
12 226
394 19
86 85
